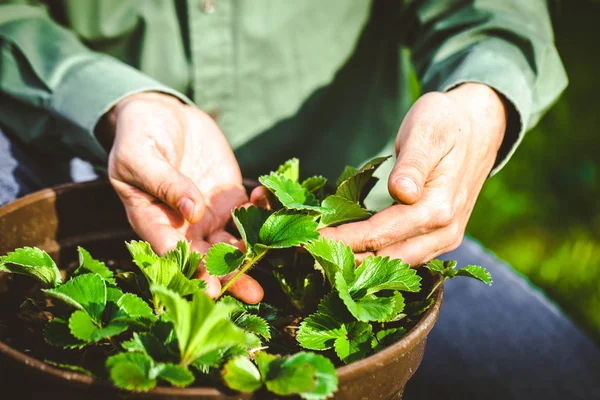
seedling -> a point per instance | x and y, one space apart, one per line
167 329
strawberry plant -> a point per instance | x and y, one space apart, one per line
155 323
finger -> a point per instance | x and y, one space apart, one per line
421 249
395 223
261 197
247 289
419 152
160 179
213 284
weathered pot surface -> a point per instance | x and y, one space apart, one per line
90 215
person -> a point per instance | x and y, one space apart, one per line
112 82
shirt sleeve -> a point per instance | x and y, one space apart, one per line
505 44
53 89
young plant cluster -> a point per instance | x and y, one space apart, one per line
165 328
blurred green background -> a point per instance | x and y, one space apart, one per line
541 213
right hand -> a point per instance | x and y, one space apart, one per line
177 177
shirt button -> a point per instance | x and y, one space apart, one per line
208 6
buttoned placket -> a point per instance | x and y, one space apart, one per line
212 57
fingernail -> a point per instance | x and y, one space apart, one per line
409 186
186 208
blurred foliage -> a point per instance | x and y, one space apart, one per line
541 213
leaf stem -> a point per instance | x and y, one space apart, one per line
249 264
443 278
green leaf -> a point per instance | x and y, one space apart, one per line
341 211
70 367
147 343
249 221
200 325
135 308
32 262
88 264
371 277
347 173
333 256
355 187
416 308
57 333
286 378
387 337
320 330
142 253
287 229
130 371
223 258
398 303
290 169
253 324
241 374
176 375
186 259
84 292
291 194
477 272
83 327
435 266
314 183
356 344
166 273
326 378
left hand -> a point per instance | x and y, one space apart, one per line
446 148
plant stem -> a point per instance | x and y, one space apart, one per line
249 264
436 286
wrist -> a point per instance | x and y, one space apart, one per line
487 111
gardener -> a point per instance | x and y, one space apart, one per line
328 82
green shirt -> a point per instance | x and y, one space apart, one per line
327 81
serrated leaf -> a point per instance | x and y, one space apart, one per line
135 308
398 303
325 377
142 253
290 169
57 333
341 211
148 343
436 266
314 183
223 258
319 331
333 256
356 186
356 344
476 272
186 259
249 221
131 371
83 327
416 308
166 273
84 292
371 277
286 378
387 337
253 324
89 264
241 374
347 173
32 262
291 194
287 228
200 325
176 375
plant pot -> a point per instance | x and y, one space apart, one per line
91 215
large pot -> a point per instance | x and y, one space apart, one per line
90 215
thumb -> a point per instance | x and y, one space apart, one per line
160 179
409 175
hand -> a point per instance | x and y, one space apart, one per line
446 148
177 177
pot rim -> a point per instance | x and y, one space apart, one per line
380 358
